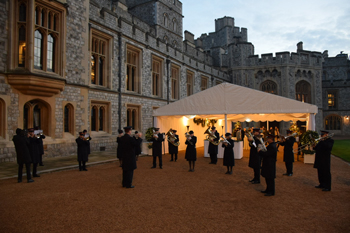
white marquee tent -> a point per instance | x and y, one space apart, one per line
228 102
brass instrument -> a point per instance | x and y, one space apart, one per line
312 142
87 137
286 137
262 146
188 138
171 138
249 135
210 137
224 140
154 134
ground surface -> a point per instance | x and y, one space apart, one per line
175 200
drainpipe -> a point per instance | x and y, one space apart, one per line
120 81
168 79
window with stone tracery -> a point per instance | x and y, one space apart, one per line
36 113
175 76
2 118
133 69
99 58
157 64
204 83
99 116
133 116
333 122
189 82
68 118
303 92
269 87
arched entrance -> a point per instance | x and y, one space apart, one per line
36 113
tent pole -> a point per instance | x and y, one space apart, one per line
225 124
267 125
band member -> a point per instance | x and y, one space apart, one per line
88 139
288 155
254 157
34 145
191 151
213 149
120 134
40 136
157 140
21 143
229 160
128 145
173 150
83 151
138 140
323 151
268 169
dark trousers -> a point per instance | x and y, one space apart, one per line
172 156
35 165
270 185
82 165
20 169
213 158
257 174
289 167
324 177
127 178
155 160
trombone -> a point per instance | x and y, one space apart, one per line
313 141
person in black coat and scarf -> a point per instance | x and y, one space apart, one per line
229 159
138 139
128 145
268 169
173 150
254 157
157 140
213 149
34 150
120 132
323 151
88 139
288 155
83 151
21 142
40 136
191 151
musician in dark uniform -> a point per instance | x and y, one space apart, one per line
191 151
173 150
83 151
128 145
254 157
268 169
21 143
34 145
213 149
229 160
157 140
288 155
88 139
138 140
323 151
120 134
41 146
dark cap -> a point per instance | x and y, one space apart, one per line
120 131
18 131
289 131
213 127
191 132
270 136
136 132
84 131
324 132
227 134
81 134
156 129
256 130
36 128
31 130
174 130
127 128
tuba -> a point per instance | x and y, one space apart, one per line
171 138
210 137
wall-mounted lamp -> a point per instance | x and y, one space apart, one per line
347 117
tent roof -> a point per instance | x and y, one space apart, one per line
238 103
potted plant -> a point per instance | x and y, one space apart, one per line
306 140
148 137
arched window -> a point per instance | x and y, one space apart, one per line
2 118
166 20
333 122
50 53
269 87
175 44
69 119
165 39
23 13
36 113
99 60
22 46
93 118
174 25
93 70
303 92
38 46
100 71
132 120
101 118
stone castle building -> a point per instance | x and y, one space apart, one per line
69 65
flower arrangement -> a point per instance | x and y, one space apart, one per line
149 136
294 128
307 139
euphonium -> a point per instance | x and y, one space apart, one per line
210 137
171 138
187 138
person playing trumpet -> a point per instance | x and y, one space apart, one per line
157 140
191 151
138 139
288 155
173 150
323 151
229 160
83 151
254 157
213 149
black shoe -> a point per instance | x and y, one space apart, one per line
325 189
256 182
252 180
171 160
120 165
285 174
211 163
19 181
36 175
30 181
130 187
290 174
160 167
230 172
227 172
40 164
319 186
264 191
190 170
269 194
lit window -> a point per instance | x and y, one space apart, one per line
175 72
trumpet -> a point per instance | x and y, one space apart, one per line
188 138
312 142
224 140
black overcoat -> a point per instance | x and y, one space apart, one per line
191 151
254 157
118 148
323 151
34 145
288 155
88 141
41 146
22 149
212 149
157 145
173 149
83 149
229 158
138 147
128 145
269 158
